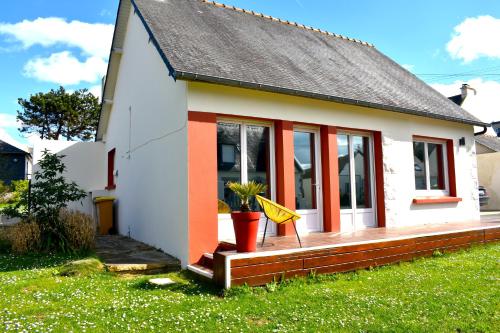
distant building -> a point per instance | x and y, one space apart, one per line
15 163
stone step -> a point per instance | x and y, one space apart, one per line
124 255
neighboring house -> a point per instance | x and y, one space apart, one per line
198 94
488 165
15 162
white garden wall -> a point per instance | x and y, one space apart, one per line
397 130
148 129
84 165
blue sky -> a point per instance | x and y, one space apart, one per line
45 43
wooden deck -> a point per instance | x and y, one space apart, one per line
281 257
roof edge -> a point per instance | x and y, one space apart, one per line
187 76
286 22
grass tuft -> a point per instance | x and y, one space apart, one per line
84 267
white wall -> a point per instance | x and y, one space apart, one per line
149 119
489 177
397 130
85 165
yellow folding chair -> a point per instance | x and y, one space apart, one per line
278 214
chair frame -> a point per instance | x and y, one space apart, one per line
265 229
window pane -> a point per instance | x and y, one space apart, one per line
361 147
344 171
258 158
436 167
228 162
305 166
419 165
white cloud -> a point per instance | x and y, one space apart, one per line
475 37
8 120
484 105
94 39
65 69
96 91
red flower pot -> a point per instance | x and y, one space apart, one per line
246 227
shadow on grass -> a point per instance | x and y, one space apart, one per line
188 284
10 262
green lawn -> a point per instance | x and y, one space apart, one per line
452 293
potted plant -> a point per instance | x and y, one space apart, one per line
245 221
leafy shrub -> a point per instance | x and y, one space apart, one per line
79 229
50 192
4 189
25 237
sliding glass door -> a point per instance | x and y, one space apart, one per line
355 160
244 153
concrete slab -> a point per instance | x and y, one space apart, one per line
127 256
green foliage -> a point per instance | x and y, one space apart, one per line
59 114
452 293
50 192
3 188
246 192
83 267
16 199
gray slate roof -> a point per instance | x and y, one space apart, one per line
6 148
203 41
489 141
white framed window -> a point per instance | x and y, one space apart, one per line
245 152
430 167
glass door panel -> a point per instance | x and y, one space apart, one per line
305 170
307 180
362 163
344 171
228 161
258 158
355 181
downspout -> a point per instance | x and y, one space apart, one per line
485 128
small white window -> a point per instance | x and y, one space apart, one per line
430 166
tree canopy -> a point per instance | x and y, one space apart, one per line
60 114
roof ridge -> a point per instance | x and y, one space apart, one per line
295 24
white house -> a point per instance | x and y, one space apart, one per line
199 93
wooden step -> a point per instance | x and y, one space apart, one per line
207 261
201 271
225 246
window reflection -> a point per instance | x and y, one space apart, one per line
436 166
419 164
344 171
228 162
305 166
258 158
361 148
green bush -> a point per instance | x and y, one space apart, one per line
50 192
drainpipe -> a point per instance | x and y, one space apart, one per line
481 132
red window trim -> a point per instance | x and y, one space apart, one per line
452 182
111 169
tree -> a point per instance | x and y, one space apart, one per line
57 114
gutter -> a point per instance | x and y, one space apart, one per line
275 89
485 128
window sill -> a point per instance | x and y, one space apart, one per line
435 200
